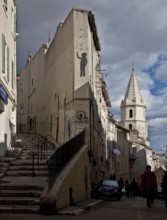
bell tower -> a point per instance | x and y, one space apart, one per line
133 109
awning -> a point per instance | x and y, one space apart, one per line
3 94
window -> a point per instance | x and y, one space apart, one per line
5 57
7 64
3 53
13 22
21 109
5 4
130 113
130 127
12 75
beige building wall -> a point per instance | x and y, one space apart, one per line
31 99
122 160
68 189
65 92
8 97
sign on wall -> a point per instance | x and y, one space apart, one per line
3 94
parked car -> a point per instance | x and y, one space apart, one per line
108 189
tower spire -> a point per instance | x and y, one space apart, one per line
133 94
133 109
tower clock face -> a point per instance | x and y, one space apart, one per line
81 115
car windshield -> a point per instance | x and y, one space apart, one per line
110 183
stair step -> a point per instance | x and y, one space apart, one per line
28 168
19 201
28 162
19 209
17 194
30 157
21 187
14 193
26 173
7 159
4 165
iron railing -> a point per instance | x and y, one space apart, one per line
62 155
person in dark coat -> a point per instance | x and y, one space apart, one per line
121 183
133 188
164 187
149 185
127 188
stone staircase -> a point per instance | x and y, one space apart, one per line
23 179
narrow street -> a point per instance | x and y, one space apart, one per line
130 209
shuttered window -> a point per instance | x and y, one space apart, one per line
13 21
8 70
3 53
12 75
5 58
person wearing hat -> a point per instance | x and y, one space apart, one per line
149 185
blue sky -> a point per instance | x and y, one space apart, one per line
158 85
130 31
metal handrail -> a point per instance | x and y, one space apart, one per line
62 156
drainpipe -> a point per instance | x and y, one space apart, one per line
28 97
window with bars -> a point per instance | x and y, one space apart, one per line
3 53
13 21
12 76
5 58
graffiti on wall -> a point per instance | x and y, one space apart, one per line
83 63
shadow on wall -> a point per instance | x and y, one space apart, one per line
2 149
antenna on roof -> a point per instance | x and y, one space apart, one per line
94 9
49 35
133 65
75 3
29 57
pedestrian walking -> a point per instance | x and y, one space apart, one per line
164 187
127 188
149 185
133 188
121 184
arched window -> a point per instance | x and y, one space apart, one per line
130 127
130 113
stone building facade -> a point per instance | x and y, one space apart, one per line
7 74
61 90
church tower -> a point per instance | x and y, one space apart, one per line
133 109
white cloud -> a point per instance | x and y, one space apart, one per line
161 73
158 122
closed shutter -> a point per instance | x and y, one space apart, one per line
15 24
8 70
3 53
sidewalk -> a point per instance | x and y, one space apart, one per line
80 207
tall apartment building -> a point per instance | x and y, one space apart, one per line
61 90
7 74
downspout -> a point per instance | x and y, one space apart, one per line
28 97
